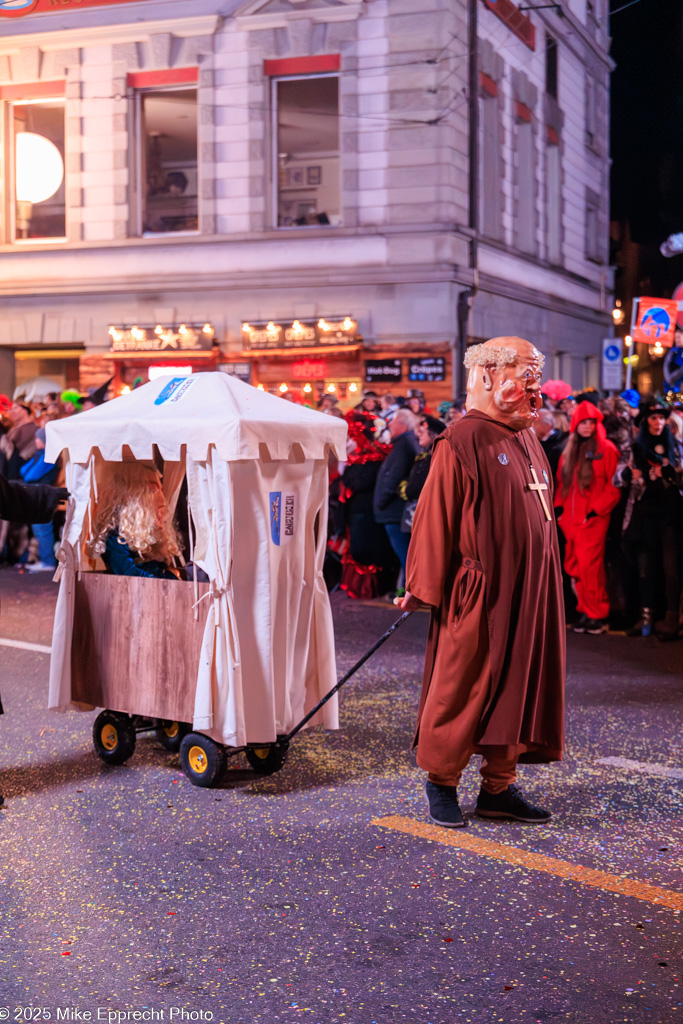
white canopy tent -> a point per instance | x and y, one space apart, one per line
256 469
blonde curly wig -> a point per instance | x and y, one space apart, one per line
128 506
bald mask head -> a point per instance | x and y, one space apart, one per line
505 381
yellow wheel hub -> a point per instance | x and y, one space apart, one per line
172 730
109 736
197 760
261 752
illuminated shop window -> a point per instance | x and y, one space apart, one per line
167 161
37 133
307 178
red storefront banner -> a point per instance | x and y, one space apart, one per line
20 8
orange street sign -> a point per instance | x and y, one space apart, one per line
656 321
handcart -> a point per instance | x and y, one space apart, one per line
236 664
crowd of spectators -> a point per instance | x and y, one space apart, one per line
617 465
22 458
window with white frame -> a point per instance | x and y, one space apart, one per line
525 219
591 112
306 159
490 157
595 247
166 161
36 151
553 202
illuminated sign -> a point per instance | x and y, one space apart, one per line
300 333
20 8
309 369
656 323
169 340
432 369
383 370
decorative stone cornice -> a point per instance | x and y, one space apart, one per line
110 34
265 14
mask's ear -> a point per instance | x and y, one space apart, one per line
487 375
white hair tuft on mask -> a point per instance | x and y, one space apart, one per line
493 355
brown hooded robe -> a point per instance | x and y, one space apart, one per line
485 557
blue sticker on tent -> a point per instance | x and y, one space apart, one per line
168 390
275 500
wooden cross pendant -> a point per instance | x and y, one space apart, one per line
539 488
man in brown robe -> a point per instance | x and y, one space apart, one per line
484 557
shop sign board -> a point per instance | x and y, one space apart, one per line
240 370
383 370
152 340
309 369
611 379
320 333
428 369
20 8
656 321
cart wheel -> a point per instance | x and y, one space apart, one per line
170 735
266 760
202 760
113 736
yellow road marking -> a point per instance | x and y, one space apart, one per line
536 861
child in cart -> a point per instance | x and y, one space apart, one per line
133 528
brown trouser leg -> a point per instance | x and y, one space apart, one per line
498 769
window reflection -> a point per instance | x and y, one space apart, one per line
308 151
168 186
39 190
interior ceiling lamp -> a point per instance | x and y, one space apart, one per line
283 389
307 388
331 388
39 168
353 387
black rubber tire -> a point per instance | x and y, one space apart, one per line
113 737
266 760
203 761
171 734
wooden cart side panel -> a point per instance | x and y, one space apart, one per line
136 644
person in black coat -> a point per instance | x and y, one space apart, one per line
387 505
26 503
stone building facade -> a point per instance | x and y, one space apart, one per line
326 215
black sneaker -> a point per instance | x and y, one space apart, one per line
580 624
596 626
444 808
510 804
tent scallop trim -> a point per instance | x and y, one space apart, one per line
190 415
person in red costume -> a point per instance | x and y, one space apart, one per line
584 498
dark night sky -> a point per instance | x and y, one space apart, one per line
647 118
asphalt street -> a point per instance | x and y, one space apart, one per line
321 894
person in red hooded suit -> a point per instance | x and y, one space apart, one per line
584 498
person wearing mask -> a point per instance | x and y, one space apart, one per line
387 505
584 499
133 529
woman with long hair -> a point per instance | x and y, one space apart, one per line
584 497
132 528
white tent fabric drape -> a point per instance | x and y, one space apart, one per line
257 484
218 708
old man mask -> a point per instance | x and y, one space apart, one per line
505 380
